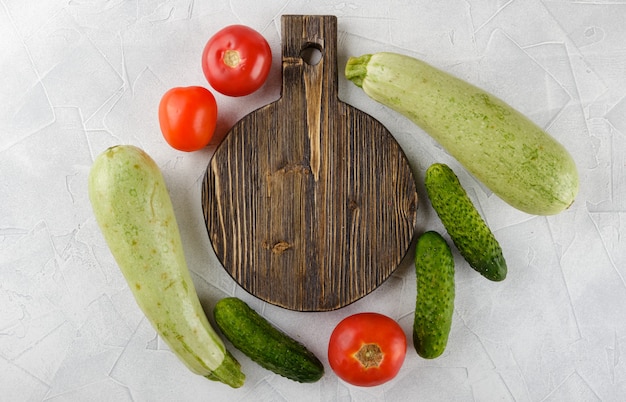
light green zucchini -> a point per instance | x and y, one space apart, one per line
502 148
134 212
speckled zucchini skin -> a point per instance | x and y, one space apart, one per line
271 348
502 148
133 209
434 304
467 229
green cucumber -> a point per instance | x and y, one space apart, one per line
434 304
467 229
502 148
271 348
134 212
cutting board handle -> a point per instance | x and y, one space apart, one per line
303 35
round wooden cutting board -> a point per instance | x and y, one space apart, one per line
309 203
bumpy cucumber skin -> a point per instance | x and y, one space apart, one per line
502 148
434 304
272 349
134 212
467 229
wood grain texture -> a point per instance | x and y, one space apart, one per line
309 203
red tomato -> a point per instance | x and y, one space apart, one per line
367 349
236 60
187 116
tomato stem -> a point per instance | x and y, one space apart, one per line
370 355
231 58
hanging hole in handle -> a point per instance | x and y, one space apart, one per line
311 54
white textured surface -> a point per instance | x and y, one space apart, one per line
78 76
